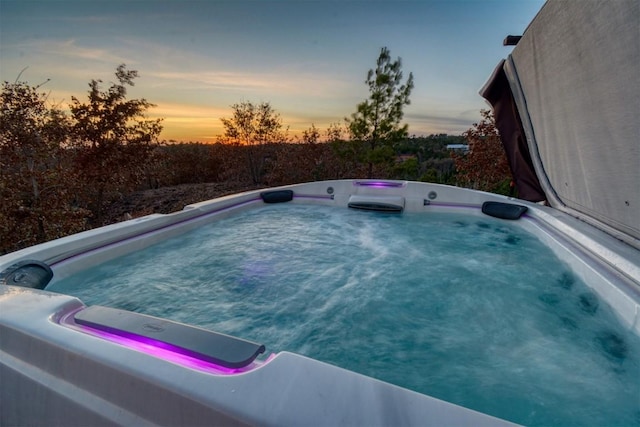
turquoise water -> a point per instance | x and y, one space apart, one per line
472 310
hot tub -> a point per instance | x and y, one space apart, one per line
568 121
69 364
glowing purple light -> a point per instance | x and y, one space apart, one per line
151 232
158 349
379 184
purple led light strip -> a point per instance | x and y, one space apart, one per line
454 205
169 226
379 184
158 349
311 196
152 231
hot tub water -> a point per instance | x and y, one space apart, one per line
472 310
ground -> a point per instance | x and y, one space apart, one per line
168 199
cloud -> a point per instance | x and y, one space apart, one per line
182 111
428 123
215 80
440 119
274 85
220 68
70 50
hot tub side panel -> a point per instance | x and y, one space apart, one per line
60 376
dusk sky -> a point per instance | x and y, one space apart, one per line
308 58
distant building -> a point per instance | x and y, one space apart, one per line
464 148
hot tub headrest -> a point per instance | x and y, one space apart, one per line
224 350
503 210
27 273
377 203
277 196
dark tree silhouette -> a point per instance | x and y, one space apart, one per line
254 127
113 137
37 186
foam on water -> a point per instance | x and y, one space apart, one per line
472 310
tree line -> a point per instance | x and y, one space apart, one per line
59 169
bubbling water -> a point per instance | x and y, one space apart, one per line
472 310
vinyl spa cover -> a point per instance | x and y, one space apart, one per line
567 104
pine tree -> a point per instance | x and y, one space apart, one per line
377 119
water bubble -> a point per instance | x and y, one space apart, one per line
549 299
588 303
569 323
612 344
566 281
512 240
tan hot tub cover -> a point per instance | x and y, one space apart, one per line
574 81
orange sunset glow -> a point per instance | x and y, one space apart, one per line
309 60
